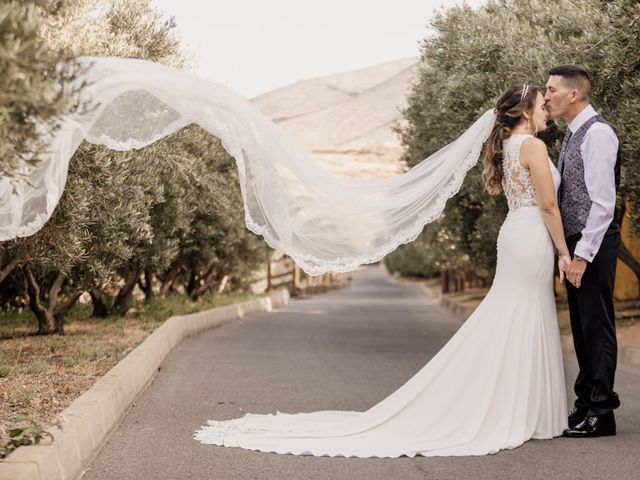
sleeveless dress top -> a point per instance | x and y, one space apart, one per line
517 182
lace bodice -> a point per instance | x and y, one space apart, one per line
517 182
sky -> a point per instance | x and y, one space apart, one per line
254 46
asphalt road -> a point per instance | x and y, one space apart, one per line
347 349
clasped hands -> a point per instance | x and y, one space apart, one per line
572 269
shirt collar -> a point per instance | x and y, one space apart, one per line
582 117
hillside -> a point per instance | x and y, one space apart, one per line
345 119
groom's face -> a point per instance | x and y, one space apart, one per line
557 97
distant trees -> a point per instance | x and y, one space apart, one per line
474 55
167 218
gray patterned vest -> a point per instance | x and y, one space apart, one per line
573 195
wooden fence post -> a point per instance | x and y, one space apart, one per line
269 286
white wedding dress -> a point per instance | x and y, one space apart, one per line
497 383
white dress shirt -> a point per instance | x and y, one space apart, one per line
599 151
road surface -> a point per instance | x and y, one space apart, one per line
346 349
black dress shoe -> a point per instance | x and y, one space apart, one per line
576 416
593 426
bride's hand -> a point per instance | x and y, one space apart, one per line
563 263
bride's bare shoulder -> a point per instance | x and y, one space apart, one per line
533 149
533 145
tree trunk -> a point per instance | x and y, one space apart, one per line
192 284
445 281
47 323
123 300
10 267
168 278
625 254
101 303
147 287
61 310
269 286
202 287
629 260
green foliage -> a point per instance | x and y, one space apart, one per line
475 55
27 432
31 88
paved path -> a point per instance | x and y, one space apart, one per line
347 349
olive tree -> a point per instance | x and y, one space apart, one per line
31 86
473 56
169 215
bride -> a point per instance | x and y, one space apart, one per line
497 383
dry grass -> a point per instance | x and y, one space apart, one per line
42 375
627 329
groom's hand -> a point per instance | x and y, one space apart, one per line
575 270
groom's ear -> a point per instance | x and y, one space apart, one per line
574 96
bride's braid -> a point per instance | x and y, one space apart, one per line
511 105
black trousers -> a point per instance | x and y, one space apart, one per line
593 327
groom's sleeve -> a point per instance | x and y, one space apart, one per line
599 152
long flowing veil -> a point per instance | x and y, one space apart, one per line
324 222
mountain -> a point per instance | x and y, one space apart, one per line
345 119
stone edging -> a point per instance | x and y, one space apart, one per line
91 417
629 356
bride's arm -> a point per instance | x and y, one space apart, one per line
533 155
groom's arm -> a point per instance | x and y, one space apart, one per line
599 152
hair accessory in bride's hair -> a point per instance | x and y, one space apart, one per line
525 89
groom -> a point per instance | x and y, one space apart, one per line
589 165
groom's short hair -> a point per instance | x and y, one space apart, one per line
575 77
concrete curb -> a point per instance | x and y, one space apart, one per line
89 420
629 356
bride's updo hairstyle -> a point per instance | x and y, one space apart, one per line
509 110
